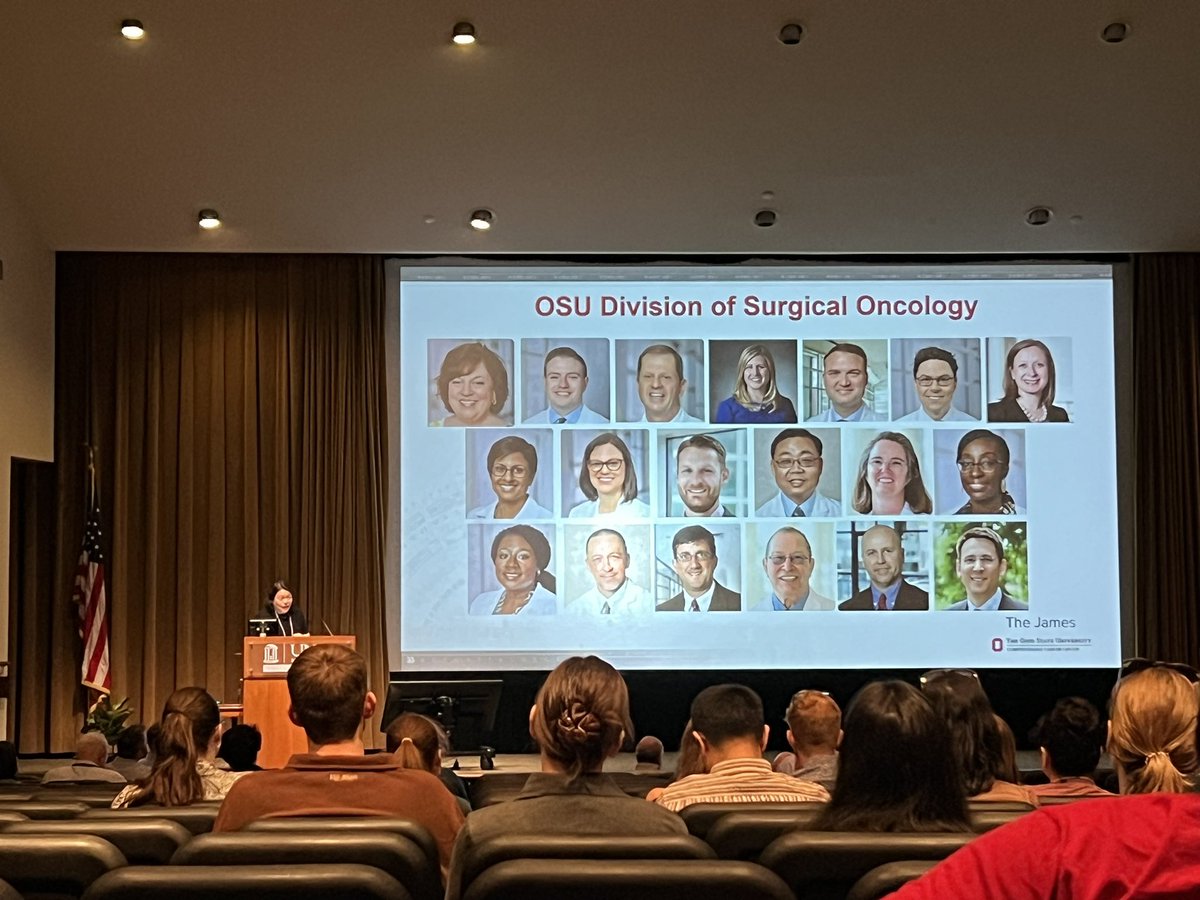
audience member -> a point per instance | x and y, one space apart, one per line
90 764
1152 731
687 761
132 751
579 719
814 731
648 754
184 770
327 685
239 748
418 742
727 721
976 742
1070 738
892 773
8 762
1007 769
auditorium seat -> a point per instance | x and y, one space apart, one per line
142 841
397 855
700 817
745 833
8 817
246 883
8 892
55 865
45 809
1062 801
823 865
95 796
639 784
983 820
414 831
883 880
197 818
636 879
999 806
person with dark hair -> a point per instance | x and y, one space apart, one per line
8 762
687 761
648 754
512 464
609 481
814 733
89 765
845 373
797 465
579 719
132 751
700 476
327 685
661 385
566 376
418 742
935 379
892 773
185 752
1028 386
473 387
694 552
756 398
883 560
239 748
982 461
521 556
613 594
727 721
281 607
1070 738
889 479
976 743
980 564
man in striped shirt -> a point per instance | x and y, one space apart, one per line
727 722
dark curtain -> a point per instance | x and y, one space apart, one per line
1166 355
238 407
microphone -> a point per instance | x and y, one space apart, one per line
327 631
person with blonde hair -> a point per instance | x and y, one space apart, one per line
418 742
756 399
1152 731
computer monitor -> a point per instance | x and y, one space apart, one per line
264 628
466 709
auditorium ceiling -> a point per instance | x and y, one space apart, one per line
914 126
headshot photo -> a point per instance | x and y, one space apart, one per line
573 385
1030 380
752 384
705 473
886 566
604 474
799 473
793 567
608 570
938 380
887 480
469 383
980 472
704 563
510 571
504 479
845 381
667 384
982 566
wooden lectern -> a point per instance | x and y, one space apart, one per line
265 700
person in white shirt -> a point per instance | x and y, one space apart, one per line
661 385
700 474
512 464
789 566
935 378
797 464
566 376
889 479
845 374
613 594
608 480
980 564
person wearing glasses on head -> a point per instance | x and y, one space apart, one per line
613 594
980 564
694 549
789 565
983 466
797 465
608 481
883 559
512 464
935 377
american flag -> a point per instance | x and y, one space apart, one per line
90 598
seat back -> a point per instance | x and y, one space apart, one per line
45 809
7 817
700 817
883 880
60 865
414 831
999 806
744 834
97 796
142 841
983 820
629 879
246 883
639 784
393 853
821 864
197 818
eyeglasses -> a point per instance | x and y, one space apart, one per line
1140 664
934 674
517 471
940 381
784 463
988 464
797 559
700 556
599 465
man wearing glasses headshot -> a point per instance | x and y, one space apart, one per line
935 378
694 549
789 566
797 465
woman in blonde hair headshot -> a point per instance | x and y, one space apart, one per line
1152 730
756 399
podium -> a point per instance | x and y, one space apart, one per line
265 700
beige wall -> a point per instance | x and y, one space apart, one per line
26 364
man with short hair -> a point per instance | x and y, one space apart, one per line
327 685
935 378
648 754
845 374
700 474
980 564
89 765
132 751
727 722
694 551
814 732
789 565
613 594
883 559
566 376
1070 738
661 385
797 465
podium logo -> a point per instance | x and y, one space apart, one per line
997 645
270 654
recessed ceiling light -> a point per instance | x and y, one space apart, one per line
791 34
209 219
464 33
1039 215
481 219
1114 32
131 29
765 218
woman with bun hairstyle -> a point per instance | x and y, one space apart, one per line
579 719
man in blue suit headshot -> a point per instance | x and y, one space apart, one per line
980 564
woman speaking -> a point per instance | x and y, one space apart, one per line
281 607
